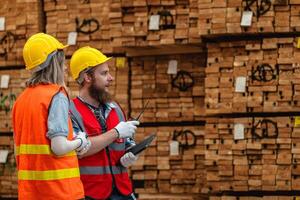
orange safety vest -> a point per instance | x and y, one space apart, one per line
99 171
41 174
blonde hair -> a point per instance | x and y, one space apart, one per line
52 73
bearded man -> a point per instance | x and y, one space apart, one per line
103 168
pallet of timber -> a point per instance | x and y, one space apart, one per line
177 23
8 171
16 84
245 154
90 19
223 17
253 197
19 20
252 76
157 171
150 81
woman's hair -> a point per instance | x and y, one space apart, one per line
52 73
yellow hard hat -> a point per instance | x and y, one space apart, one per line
84 58
38 47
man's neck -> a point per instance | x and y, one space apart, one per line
87 98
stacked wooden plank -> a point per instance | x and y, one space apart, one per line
123 23
224 17
8 174
116 25
257 78
17 79
150 81
265 159
253 197
177 24
21 19
159 172
90 19
270 68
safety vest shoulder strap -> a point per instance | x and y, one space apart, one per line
119 111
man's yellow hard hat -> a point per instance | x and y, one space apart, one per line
84 58
38 47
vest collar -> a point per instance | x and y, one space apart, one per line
108 106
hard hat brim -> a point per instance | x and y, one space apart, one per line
107 59
63 46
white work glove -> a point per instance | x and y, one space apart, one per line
84 142
126 129
84 149
128 159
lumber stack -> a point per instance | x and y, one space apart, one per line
90 19
178 22
224 17
270 68
122 23
253 197
266 159
8 173
158 172
22 19
150 81
8 95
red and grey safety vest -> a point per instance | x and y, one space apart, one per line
98 172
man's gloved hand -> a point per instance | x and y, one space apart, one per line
83 140
84 149
126 129
128 159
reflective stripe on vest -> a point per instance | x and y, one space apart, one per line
76 116
102 170
117 146
119 112
48 175
26 149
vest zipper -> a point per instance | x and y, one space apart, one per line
102 122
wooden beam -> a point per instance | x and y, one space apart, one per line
247 36
163 50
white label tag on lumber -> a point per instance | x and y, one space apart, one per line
4 81
239 132
246 18
3 156
2 23
72 38
172 67
154 22
240 84
174 148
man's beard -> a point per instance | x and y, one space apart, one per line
99 94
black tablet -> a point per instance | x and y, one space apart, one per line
136 149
